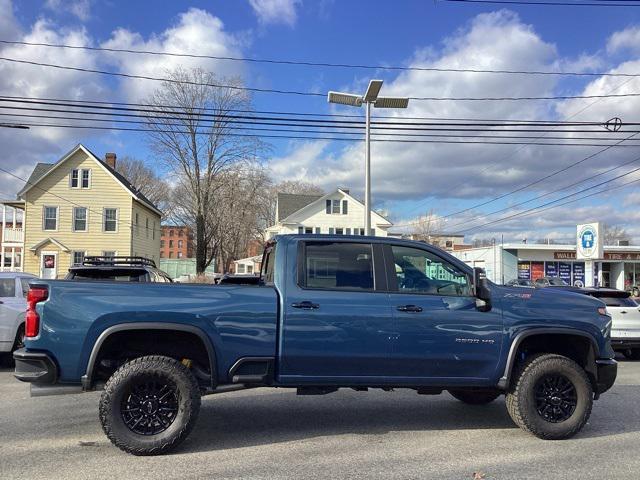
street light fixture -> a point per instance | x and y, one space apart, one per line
370 98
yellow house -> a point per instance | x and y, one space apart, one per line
80 206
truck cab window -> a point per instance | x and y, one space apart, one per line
339 266
422 272
266 273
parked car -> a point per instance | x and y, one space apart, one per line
330 312
625 313
120 269
13 305
556 283
520 282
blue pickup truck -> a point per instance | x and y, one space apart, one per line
328 312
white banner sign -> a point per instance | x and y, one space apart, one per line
589 242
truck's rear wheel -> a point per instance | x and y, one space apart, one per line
149 405
550 397
475 397
632 353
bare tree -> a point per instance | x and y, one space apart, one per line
145 180
612 234
427 226
193 133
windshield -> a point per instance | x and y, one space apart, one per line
557 281
113 274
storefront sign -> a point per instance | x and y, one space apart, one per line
524 270
564 255
537 270
551 269
578 274
622 256
564 271
589 244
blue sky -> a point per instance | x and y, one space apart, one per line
408 180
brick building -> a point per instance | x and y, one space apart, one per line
176 241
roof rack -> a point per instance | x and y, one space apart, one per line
93 261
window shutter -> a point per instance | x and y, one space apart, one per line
328 207
344 207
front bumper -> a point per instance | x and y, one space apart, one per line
607 370
34 367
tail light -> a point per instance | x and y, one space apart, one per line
36 295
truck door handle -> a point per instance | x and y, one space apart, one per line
409 308
623 311
306 305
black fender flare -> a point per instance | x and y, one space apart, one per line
87 378
503 383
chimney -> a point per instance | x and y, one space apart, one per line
110 159
345 190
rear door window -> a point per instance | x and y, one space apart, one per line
339 266
618 302
7 287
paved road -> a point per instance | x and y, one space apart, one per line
268 433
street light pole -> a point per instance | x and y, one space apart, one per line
367 172
369 98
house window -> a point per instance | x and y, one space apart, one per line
161 243
146 226
179 243
77 258
181 233
179 254
339 231
348 231
161 254
344 207
170 243
74 179
170 254
335 206
300 229
171 233
110 220
86 175
318 230
240 268
79 219
50 218
308 230
330 230
109 253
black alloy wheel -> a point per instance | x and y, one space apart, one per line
150 406
556 398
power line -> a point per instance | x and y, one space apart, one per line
548 3
300 93
318 64
299 137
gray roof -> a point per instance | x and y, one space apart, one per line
289 203
38 172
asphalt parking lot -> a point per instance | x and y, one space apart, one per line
268 433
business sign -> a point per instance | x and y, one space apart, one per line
564 271
524 270
564 255
622 256
537 270
578 274
551 269
589 244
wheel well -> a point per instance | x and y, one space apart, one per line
123 346
576 347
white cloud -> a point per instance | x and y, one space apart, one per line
196 32
276 11
78 8
624 39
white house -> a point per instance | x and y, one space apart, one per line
334 213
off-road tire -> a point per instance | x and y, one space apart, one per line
136 371
520 398
632 353
475 397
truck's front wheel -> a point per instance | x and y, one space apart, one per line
149 405
551 397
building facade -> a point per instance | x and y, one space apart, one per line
334 213
619 268
82 206
176 241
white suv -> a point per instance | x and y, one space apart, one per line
13 304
